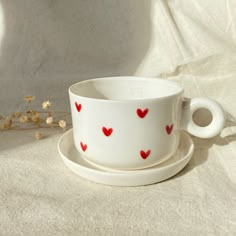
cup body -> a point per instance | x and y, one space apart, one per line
126 122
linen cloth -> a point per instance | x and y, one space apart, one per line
45 46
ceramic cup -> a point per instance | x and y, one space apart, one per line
134 123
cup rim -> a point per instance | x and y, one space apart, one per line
164 81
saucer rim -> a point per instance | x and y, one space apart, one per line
125 172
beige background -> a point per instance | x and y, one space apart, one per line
47 45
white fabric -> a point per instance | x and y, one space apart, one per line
45 46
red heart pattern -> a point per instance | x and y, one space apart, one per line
144 154
78 106
142 113
169 129
83 146
107 131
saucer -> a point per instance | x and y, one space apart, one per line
95 173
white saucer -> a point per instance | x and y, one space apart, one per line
163 171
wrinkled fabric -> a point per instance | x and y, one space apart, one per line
45 46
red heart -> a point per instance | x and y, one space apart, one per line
106 131
83 146
169 129
78 106
144 154
141 113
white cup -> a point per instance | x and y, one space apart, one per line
134 123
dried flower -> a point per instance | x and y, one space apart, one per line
16 114
38 135
49 120
23 119
35 118
46 104
35 113
29 98
29 112
5 126
8 123
62 124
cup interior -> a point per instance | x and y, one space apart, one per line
125 88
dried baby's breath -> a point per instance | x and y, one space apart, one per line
5 126
62 124
35 113
29 98
16 114
8 122
49 120
23 119
34 119
46 104
38 135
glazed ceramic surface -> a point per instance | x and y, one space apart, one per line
99 174
134 123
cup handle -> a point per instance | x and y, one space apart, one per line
218 117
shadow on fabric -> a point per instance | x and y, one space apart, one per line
202 146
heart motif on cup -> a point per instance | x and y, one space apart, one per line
144 154
142 113
78 106
83 146
169 129
107 131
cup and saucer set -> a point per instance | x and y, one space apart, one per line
133 131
